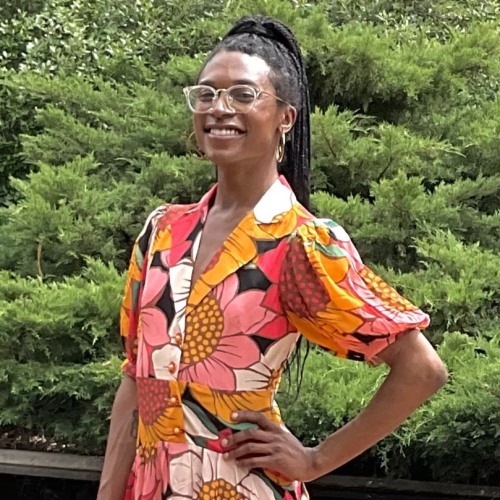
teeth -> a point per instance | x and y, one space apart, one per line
224 131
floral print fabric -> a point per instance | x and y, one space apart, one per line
200 351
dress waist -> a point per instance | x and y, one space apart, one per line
188 412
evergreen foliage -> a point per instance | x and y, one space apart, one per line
94 134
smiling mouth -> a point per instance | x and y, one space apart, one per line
224 132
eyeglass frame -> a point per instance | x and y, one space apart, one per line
217 93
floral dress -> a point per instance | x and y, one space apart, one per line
200 351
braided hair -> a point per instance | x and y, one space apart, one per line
272 41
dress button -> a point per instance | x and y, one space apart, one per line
171 367
178 339
177 430
173 400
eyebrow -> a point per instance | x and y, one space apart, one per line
243 81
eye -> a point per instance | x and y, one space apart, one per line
243 94
205 95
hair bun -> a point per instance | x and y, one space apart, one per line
261 26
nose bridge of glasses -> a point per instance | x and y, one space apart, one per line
218 93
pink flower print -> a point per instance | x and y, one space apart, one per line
270 262
181 230
149 474
218 335
153 322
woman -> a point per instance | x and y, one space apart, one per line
217 291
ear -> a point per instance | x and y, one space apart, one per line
288 119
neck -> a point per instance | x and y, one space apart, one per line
239 189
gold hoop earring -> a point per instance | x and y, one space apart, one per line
280 152
195 151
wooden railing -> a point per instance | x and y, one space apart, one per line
85 468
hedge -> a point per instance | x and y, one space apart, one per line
94 134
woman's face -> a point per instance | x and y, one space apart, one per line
257 131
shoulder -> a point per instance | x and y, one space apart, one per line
161 218
324 236
168 213
320 230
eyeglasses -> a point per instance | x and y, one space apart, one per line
201 99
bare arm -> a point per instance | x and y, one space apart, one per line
416 372
121 447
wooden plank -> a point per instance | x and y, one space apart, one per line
446 490
88 468
56 465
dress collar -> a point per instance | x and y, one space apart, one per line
274 203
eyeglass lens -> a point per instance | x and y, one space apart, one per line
239 98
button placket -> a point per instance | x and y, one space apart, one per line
173 400
173 366
175 351
177 331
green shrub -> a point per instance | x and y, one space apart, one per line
94 134
79 396
454 438
61 322
74 212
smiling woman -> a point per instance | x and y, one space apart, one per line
219 294
239 126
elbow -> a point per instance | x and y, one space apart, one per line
425 374
435 375
414 360
443 375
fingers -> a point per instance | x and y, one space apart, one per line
255 435
259 437
248 450
254 417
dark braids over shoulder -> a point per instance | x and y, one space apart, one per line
275 43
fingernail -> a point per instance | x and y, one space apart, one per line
224 442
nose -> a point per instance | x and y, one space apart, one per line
221 105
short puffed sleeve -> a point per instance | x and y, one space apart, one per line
337 302
129 310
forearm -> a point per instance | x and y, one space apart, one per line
409 383
121 446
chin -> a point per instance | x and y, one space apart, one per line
221 157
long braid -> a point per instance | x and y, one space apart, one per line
275 43
297 160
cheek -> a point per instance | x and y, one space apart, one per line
264 124
264 133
